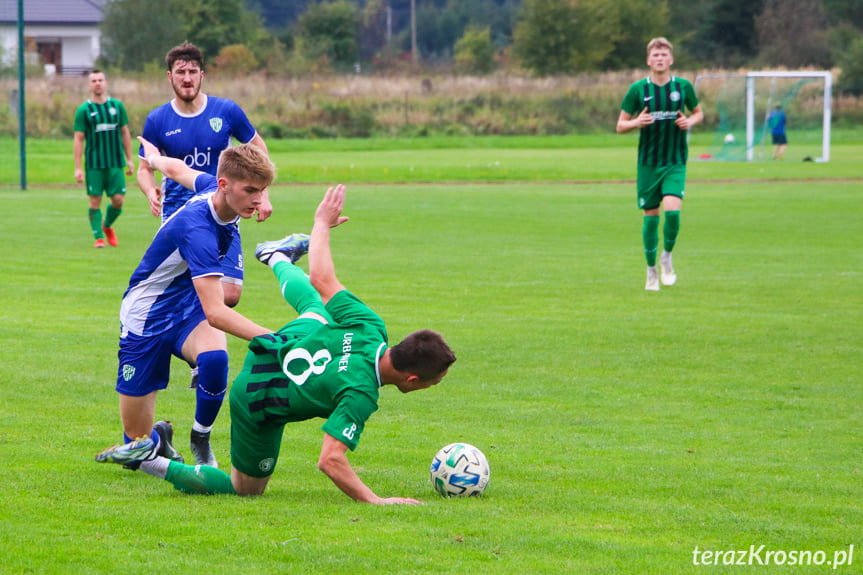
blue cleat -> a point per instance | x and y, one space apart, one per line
293 246
129 454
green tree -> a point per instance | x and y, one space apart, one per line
730 29
474 52
132 37
235 60
212 24
139 33
329 30
851 62
373 29
793 34
639 22
566 36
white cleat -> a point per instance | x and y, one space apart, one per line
668 275
652 279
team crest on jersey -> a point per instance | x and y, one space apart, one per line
112 111
675 96
216 124
128 372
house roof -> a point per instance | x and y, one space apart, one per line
53 11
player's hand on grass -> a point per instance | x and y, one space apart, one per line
330 209
398 501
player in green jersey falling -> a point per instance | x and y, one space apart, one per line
657 105
103 123
329 362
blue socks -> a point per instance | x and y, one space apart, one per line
212 385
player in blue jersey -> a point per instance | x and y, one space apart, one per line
175 304
195 127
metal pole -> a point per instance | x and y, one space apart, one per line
414 52
22 115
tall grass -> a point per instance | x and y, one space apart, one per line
361 106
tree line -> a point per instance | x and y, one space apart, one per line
542 37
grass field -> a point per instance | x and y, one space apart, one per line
623 428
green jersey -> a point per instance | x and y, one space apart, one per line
326 370
661 143
101 124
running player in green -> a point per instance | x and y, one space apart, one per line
103 123
329 362
657 106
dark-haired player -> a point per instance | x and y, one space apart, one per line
330 363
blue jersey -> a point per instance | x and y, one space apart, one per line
197 140
189 245
777 122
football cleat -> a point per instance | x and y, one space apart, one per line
202 451
166 438
134 452
292 246
652 279
110 236
100 243
668 276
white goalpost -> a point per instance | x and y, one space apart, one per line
750 108
742 103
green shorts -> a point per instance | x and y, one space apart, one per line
654 182
255 447
109 180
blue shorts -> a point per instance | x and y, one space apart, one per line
232 263
145 362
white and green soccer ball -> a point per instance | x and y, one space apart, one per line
729 138
460 470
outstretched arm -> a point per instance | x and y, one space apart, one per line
322 271
334 462
220 316
173 168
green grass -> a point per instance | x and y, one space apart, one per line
486 159
623 428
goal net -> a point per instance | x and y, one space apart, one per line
742 105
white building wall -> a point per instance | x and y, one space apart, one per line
81 44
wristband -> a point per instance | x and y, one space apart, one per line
150 160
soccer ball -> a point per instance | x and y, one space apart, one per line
729 139
460 470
